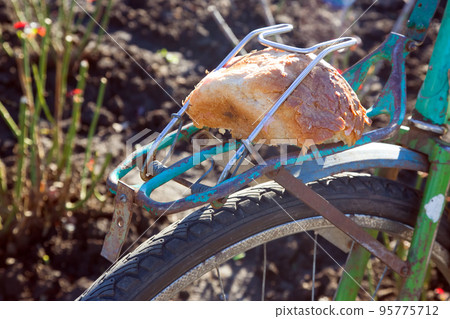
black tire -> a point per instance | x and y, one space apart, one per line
159 261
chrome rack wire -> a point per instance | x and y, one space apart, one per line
327 47
262 33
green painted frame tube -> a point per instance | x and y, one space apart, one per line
432 99
353 272
432 207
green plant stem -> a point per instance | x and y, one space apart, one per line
18 11
65 70
44 8
28 90
67 15
57 132
35 5
95 179
40 75
28 12
402 252
3 190
27 72
93 126
8 49
43 58
9 219
104 23
371 277
36 146
9 121
21 170
3 181
40 98
76 113
69 21
89 28
101 198
62 15
62 68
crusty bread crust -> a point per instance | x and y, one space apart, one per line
323 108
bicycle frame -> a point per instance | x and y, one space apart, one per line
433 104
417 149
432 107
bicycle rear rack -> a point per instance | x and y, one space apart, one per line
392 101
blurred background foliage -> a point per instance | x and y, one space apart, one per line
42 179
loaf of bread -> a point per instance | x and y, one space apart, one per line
322 109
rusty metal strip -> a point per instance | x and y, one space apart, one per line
337 218
120 224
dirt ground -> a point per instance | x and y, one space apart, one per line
134 101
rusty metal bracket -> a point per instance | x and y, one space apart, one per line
120 224
337 218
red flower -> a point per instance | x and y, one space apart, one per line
20 25
41 31
90 165
75 92
439 291
29 29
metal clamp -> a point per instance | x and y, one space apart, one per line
428 126
120 224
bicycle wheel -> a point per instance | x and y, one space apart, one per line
168 262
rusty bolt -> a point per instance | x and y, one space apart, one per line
219 203
420 27
411 46
184 132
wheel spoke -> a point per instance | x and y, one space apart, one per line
314 267
224 297
384 273
263 288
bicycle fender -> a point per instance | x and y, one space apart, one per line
372 155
